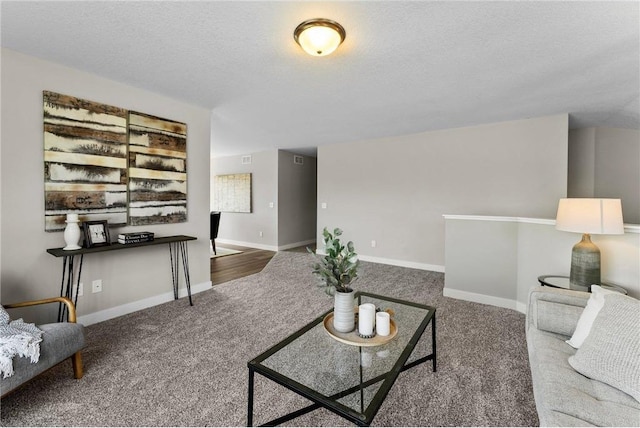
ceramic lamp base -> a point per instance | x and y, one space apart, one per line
585 263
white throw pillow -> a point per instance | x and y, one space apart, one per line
596 300
611 353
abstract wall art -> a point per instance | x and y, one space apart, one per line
232 193
157 170
107 163
85 161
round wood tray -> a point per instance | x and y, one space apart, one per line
352 337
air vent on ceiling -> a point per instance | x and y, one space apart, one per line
246 160
298 160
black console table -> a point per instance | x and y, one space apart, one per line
177 251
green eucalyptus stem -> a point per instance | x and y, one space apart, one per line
339 267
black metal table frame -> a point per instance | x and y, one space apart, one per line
177 252
330 403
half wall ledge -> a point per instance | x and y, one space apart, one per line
496 259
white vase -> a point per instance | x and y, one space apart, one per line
72 233
343 314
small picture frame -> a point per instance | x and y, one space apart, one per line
96 233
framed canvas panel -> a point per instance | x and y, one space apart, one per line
85 160
232 193
157 170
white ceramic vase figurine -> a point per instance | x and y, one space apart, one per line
72 233
344 319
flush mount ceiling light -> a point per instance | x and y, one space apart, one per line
319 36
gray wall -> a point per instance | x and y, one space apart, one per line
276 180
483 264
28 272
297 197
245 228
581 179
396 190
515 251
605 163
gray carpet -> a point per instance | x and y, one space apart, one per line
175 365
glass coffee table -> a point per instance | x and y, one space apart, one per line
351 381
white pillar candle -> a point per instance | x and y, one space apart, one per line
366 318
383 324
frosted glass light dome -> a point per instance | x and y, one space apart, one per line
319 37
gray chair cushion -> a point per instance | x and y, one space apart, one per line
59 342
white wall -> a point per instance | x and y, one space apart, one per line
297 197
244 228
605 163
395 190
496 260
133 275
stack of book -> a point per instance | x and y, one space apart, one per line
135 237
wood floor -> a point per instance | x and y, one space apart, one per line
234 266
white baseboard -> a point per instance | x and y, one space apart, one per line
394 262
138 305
484 299
402 263
296 244
265 247
247 244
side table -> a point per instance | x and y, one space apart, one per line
177 252
560 281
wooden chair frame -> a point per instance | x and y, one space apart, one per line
76 359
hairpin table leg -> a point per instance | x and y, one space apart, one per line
68 284
174 248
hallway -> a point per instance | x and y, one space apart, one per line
250 261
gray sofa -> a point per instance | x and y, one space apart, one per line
60 341
563 396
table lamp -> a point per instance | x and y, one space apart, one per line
588 216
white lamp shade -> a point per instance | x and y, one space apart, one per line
590 215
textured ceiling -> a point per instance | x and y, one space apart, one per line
405 67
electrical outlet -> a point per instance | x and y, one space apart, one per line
80 289
261 234
96 286
270 204
373 244
323 205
